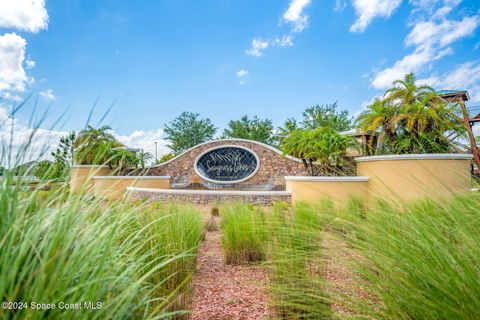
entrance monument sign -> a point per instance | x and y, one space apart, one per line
227 164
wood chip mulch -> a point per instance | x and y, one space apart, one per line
226 292
341 277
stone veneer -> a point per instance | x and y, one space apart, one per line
205 197
273 165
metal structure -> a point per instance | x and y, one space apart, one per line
460 96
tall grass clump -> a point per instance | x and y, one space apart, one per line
244 234
75 251
421 260
171 232
297 281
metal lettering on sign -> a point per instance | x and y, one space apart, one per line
227 164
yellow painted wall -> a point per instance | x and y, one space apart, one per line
414 179
115 188
340 192
81 177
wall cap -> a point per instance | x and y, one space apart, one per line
89 166
210 192
328 179
431 156
227 141
131 177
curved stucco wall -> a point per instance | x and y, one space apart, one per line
337 189
410 177
81 176
115 187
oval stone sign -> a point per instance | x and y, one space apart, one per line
227 164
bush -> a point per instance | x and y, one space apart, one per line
244 234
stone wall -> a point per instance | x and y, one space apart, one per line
273 166
202 197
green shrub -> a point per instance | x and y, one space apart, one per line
244 234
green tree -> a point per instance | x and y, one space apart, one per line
283 132
93 145
411 119
188 130
165 158
326 115
63 160
121 159
317 116
251 129
406 92
379 117
322 150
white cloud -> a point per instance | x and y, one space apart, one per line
431 38
41 141
295 15
146 140
413 62
367 10
284 41
25 15
48 94
10 96
12 55
258 45
340 5
443 32
465 76
29 64
241 75
45 141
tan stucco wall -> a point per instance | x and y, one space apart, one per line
81 177
406 180
340 192
115 188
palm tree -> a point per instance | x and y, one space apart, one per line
322 148
406 91
92 145
381 116
411 118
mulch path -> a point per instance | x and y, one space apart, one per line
341 278
225 292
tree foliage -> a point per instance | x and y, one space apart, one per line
165 158
93 145
252 129
63 160
322 150
317 116
188 130
122 158
411 119
326 115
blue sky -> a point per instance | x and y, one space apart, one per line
226 58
